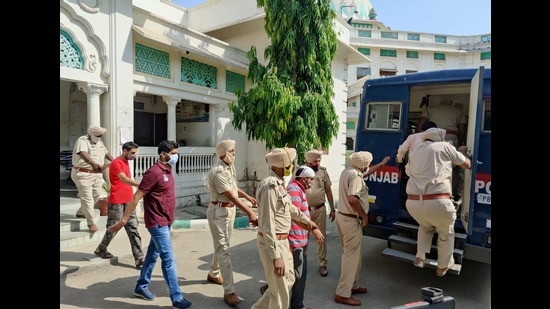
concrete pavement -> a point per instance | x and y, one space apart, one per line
77 247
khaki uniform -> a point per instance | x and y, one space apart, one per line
275 213
89 184
316 196
221 178
431 166
350 230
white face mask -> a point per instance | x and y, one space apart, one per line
229 157
173 159
95 139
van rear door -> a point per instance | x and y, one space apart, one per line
472 142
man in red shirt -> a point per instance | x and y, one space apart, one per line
121 194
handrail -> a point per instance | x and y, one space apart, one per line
188 163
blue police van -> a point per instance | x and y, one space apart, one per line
390 109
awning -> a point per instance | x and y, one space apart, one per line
213 49
353 55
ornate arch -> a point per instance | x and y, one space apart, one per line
90 57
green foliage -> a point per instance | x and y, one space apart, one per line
290 101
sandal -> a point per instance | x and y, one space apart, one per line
104 254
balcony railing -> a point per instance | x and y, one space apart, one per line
192 160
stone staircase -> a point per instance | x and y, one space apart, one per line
74 231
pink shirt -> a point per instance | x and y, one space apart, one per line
298 236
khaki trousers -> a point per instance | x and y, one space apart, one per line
277 296
90 189
350 233
319 216
220 221
439 216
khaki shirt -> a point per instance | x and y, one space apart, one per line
97 152
431 168
352 183
275 211
316 195
221 178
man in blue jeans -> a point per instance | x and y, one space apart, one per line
159 203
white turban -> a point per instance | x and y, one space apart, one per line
313 155
95 130
281 157
305 171
224 146
360 159
434 134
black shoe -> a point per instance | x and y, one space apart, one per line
263 288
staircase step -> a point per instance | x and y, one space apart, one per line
412 242
74 231
414 227
428 263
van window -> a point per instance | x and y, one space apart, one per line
383 115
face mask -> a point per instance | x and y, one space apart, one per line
315 168
130 156
173 159
95 139
229 157
288 170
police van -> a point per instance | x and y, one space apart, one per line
390 109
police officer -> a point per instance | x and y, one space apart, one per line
275 213
429 196
317 195
352 217
89 162
221 212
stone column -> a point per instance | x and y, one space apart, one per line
171 117
93 91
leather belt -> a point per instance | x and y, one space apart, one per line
223 204
451 132
84 170
316 207
434 196
279 236
350 215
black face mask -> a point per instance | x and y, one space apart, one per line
315 168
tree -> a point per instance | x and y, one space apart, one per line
290 102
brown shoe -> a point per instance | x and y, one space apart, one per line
359 290
323 271
215 280
232 299
93 228
346 300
